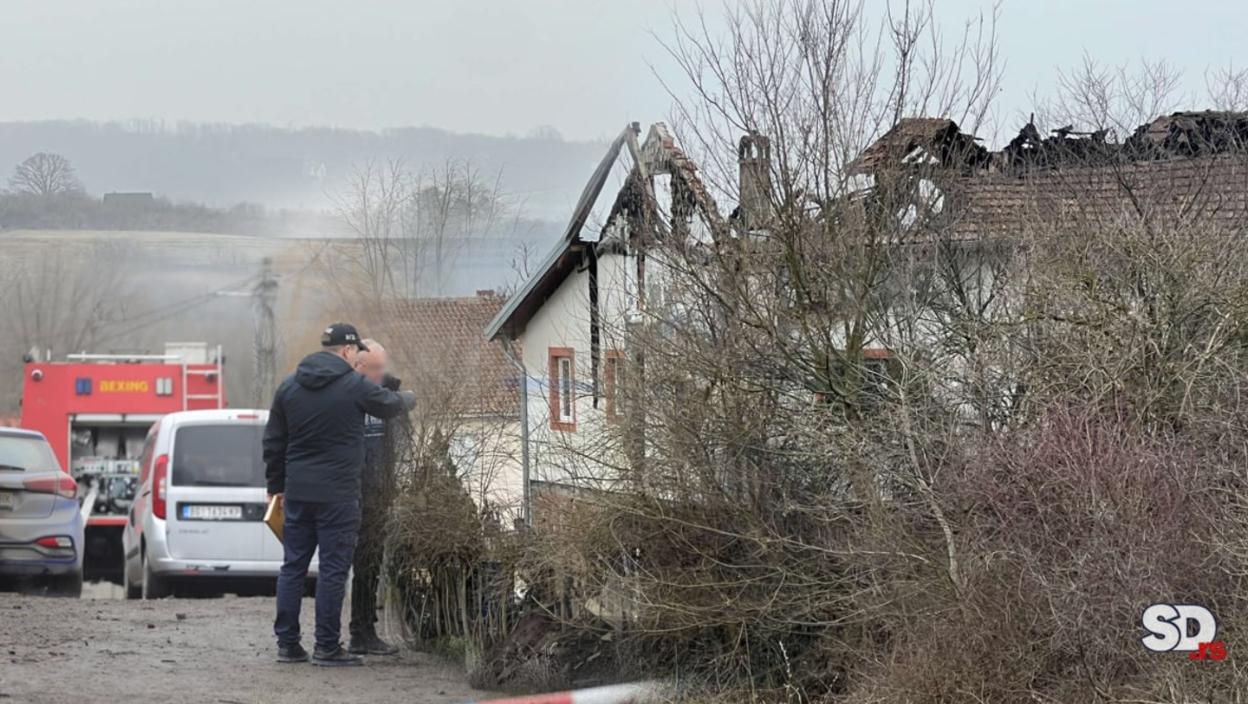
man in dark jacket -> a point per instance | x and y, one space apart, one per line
313 451
377 485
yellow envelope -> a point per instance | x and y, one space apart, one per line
275 517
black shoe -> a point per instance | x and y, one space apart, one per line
371 645
291 653
335 658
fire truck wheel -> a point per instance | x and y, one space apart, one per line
154 586
68 586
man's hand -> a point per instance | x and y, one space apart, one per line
390 381
281 499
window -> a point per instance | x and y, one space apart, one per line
218 455
145 460
869 383
612 381
22 453
562 388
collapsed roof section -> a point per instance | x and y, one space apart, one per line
1190 134
1180 166
937 143
635 204
921 141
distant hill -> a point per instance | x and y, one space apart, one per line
221 165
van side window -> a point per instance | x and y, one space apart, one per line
145 460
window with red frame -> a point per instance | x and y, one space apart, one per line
562 372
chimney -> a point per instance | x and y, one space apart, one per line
754 161
486 293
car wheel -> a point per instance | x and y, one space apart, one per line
67 586
154 586
133 591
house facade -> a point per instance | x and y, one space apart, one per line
950 201
568 324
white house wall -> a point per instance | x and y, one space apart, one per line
582 455
486 452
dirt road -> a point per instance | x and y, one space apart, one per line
216 651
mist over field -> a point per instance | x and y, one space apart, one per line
132 291
218 165
158 232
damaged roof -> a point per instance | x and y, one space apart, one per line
658 154
561 260
1191 134
919 139
1178 166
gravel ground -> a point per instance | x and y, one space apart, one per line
218 651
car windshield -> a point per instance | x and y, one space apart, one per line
26 454
218 455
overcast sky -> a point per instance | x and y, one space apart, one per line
489 66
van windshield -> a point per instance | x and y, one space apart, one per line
218 455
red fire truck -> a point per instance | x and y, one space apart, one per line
95 410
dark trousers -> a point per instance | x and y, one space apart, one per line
333 528
368 566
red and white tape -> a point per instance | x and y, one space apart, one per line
635 693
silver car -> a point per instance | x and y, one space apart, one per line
41 523
197 523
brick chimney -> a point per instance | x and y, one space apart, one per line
754 162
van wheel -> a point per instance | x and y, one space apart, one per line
133 591
154 586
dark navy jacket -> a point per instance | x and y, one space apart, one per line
374 449
314 442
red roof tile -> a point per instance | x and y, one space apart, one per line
1213 189
903 138
436 345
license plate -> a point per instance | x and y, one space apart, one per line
8 500
212 513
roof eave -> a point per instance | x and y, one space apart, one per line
503 322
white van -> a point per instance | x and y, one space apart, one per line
198 514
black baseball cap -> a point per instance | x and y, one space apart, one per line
340 334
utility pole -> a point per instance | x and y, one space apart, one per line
264 297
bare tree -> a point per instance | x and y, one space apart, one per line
372 208
888 409
45 175
64 303
1228 88
1116 99
450 203
409 227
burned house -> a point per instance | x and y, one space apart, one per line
935 193
566 325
